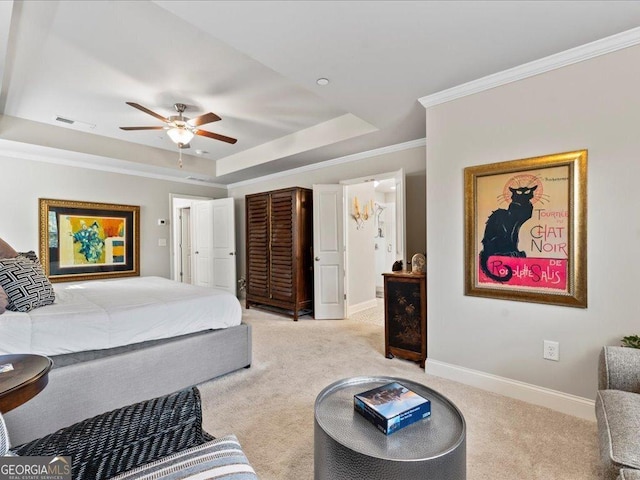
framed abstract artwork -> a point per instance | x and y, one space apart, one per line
526 229
84 240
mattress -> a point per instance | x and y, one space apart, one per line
105 314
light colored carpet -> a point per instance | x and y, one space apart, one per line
269 407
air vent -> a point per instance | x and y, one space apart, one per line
197 179
76 123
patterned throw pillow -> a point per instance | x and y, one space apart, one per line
25 284
4 301
31 255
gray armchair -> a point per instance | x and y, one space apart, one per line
618 413
619 369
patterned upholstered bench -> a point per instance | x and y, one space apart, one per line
220 458
158 438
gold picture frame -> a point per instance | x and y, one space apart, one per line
86 240
526 229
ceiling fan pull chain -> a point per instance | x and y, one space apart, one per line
180 157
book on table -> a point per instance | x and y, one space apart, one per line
391 407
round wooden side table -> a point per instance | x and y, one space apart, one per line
22 377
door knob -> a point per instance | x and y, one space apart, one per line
232 253
317 259
197 252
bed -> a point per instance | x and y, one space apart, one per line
118 342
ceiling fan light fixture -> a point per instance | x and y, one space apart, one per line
180 135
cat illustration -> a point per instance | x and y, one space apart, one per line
502 230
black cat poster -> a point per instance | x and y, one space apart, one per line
525 227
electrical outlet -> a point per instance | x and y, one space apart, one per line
551 350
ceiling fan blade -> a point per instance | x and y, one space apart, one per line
146 110
215 136
202 119
142 128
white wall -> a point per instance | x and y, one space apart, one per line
591 105
361 288
24 181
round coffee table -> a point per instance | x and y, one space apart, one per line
348 447
25 376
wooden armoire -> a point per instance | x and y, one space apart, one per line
280 250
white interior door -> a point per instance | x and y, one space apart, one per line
224 245
202 243
185 245
328 248
214 244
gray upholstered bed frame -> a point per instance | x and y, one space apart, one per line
81 388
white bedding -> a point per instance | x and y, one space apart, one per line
104 314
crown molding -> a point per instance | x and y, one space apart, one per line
104 168
578 54
9 152
421 142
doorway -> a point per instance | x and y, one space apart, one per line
203 242
364 214
384 221
372 247
179 204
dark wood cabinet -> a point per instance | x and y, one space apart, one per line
405 316
279 250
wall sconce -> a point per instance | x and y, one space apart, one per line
360 215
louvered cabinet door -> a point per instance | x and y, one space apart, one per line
257 217
282 245
279 253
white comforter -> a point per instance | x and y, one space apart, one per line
104 314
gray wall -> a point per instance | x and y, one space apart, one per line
411 160
416 215
24 181
591 105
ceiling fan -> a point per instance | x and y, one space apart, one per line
181 129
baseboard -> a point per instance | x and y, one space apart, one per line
358 307
553 399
